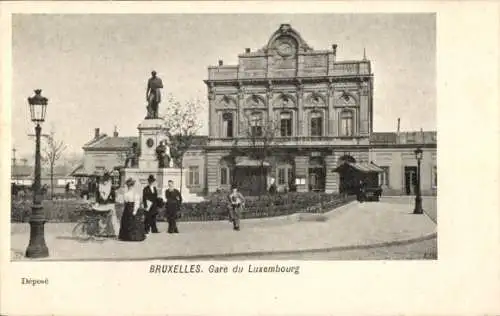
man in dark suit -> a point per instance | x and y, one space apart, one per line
150 203
173 205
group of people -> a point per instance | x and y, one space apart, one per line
140 211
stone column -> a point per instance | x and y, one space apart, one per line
269 97
301 171
364 114
239 112
212 117
331 111
300 110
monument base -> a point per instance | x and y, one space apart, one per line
162 176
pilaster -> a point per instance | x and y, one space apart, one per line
332 178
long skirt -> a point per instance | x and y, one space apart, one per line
132 226
109 226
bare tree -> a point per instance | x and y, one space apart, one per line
181 124
261 135
51 153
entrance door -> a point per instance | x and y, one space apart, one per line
251 180
410 180
316 179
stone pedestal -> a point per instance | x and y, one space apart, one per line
151 133
140 175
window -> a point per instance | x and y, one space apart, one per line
346 123
281 176
286 124
316 124
384 176
227 125
256 124
193 176
224 176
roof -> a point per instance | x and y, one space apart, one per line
359 166
404 138
21 170
113 142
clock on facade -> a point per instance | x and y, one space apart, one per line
150 142
285 47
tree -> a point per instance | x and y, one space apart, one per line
181 125
50 155
260 134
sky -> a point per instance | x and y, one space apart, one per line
94 67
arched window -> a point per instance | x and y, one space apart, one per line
316 124
227 124
346 123
255 121
285 124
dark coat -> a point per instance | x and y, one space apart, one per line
173 200
111 197
150 195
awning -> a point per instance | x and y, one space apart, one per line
361 167
248 162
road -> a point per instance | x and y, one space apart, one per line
416 251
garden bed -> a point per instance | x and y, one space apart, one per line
214 208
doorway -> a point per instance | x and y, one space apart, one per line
410 180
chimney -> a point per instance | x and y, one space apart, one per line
96 133
399 125
334 47
221 62
115 133
247 50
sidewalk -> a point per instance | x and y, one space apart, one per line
352 225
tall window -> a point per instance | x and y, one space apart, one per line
256 124
346 123
316 124
193 176
281 176
224 176
227 125
384 176
286 124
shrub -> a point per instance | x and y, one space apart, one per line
214 208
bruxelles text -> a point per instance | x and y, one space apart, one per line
221 269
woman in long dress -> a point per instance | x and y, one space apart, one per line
132 224
105 202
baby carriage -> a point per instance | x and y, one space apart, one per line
92 223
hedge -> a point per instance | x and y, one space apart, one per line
215 208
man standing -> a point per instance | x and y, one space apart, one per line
153 95
173 205
150 203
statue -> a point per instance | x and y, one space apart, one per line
162 156
153 95
132 156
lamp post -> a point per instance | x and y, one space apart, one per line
37 247
418 198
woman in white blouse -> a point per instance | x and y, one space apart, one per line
132 224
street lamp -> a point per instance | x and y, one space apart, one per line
418 198
37 247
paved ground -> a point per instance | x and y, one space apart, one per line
368 227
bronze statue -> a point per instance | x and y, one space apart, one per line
161 156
132 156
153 95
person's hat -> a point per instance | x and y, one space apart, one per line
151 178
130 182
106 176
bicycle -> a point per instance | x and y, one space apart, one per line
90 226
